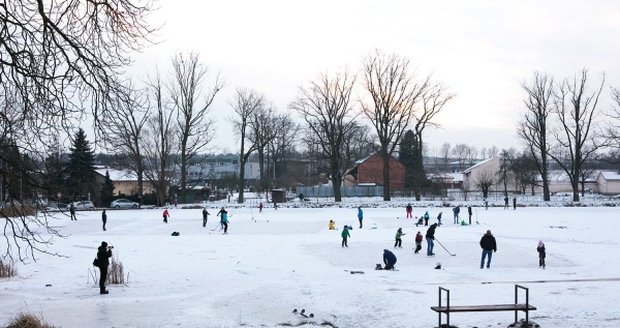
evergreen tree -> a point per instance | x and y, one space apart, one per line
80 170
54 174
410 154
406 155
107 190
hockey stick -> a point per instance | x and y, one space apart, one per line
442 246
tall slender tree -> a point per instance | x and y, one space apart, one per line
325 106
195 129
393 93
577 139
534 128
246 103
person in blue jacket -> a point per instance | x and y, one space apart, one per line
360 216
426 218
389 259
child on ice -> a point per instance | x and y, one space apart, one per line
542 253
399 241
418 242
345 234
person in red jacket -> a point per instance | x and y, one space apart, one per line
409 210
418 242
166 215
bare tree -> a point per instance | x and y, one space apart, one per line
324 105
66 56
358 144
612 129
159 141
58 60
577 140
505 173
485 180
246 103
263 130
434 98
124 131
284 139
444 152
393 92
534 127
194 127
462 154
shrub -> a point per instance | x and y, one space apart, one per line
7 269
116 274
27 320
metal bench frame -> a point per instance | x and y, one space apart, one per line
516 307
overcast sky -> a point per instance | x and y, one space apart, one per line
481 50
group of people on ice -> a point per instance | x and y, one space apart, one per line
487 242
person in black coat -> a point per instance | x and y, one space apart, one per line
389 259
104 218
104 252
542 253
430 237
488 245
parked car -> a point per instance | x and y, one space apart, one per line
82 205
124 203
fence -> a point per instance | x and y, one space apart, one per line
353 191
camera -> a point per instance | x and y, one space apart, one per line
110 247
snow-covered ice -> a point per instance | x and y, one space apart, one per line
272 262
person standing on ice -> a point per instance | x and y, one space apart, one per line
488 245
469 212
360 216
456 212
205 217
514 203
223 219
542 253
104 219
418 242
399 240
439 219
104 252
345 235
426 218
430 239
332 225
506 203
72 212
389 259
166 215
260 207
409 210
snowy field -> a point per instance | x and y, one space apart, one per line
275 261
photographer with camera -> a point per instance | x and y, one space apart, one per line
104 252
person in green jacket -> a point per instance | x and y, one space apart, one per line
345 234
399 241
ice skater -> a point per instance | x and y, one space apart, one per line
223 220
542 253
409 210
488 245
166 215
399 240
345 236
418 242
360 216
430 239
456 212
469 212
389 259
426 218
104 219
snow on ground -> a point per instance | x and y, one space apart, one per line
275 261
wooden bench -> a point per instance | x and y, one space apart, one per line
516 306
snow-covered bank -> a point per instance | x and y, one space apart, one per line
275 261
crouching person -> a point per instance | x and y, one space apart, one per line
389 259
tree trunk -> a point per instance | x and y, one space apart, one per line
386 175
241 175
